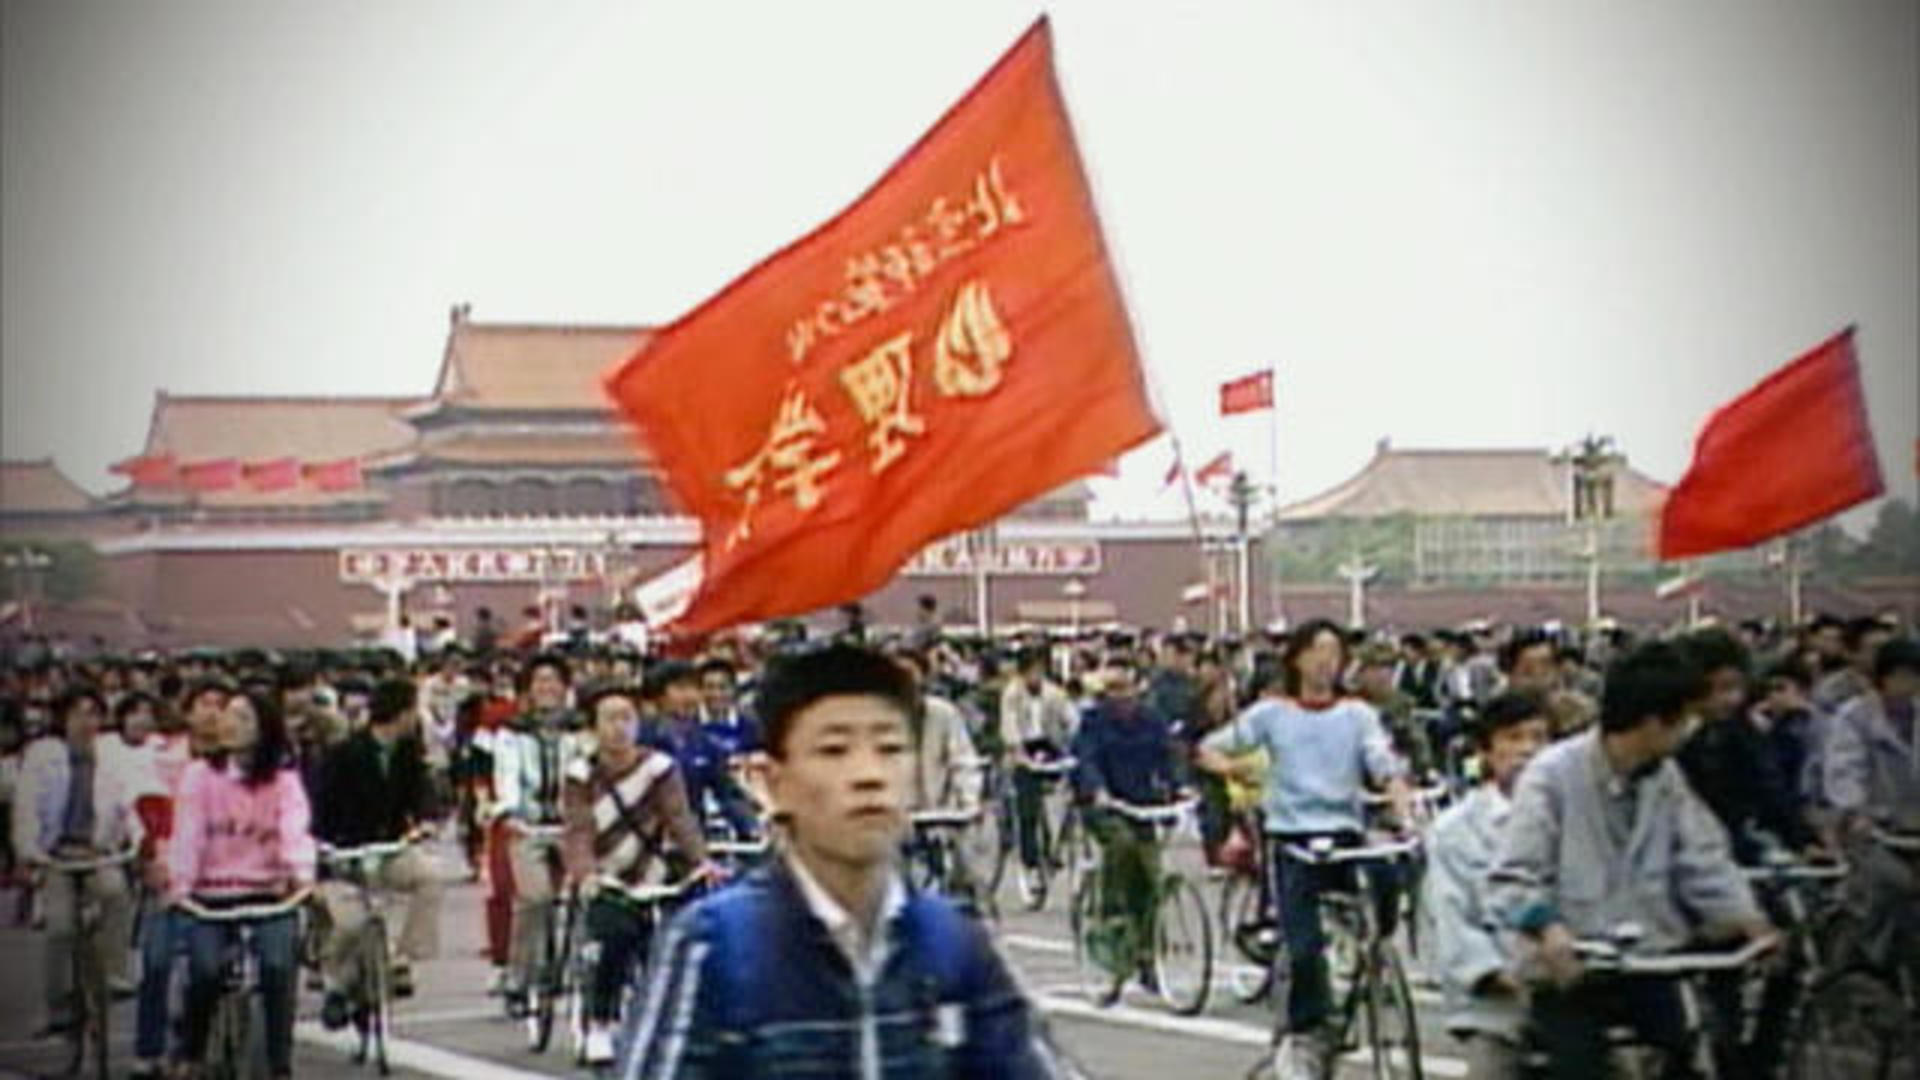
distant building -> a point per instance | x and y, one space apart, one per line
38 501
1473 517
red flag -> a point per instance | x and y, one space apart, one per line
1247 395
217 474
341 475
1794 449
949 347
150 471
1217 471
276 475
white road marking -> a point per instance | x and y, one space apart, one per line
1057 947
1215 1030
419 1056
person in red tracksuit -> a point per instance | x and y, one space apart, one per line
494 714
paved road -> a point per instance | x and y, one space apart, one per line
451 1029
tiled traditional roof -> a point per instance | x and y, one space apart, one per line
1467 483
39 487
508 366
610 448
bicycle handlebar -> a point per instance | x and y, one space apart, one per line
1431 794
246 913
1323 852
649 894
943 819
1606 956
1055 767
1906 843
737 847
1163 814
380 850
91 863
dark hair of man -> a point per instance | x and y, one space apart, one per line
717 663
1857 630
1032 657
796 681
483 614
1413 641
294 676
131 703
1530 638
1505 711
204 687
1180 644
1657 679
553 661
602 691
1790 669
391 700
667 672
354 686
1299 642
71 698
1899 654
169 686
272 750
928 603
1716 650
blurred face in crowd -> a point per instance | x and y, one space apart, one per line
1118 681
203 715
1319 663
683 695
716 687
353 706
1376 682
1511 747
83 721
546 690
137 724
840 776
1726 692
1535 670
1901 685
1785 695
614 722
239 727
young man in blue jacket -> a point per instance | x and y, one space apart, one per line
822 962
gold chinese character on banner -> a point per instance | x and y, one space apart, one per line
880 386
973 345
789 451
991 205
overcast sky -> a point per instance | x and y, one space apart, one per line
1458 224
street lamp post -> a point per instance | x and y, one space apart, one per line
1241 494
1592 464
1357 572
26 566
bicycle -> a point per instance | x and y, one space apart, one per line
1860 1017
372 992
92 1003
232 1053
1378 1007
937 859
550 983
653 902
1179 931
1428 802
1051 841
1613 957
1248 919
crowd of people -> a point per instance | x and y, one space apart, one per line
1602 779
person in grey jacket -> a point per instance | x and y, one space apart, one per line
1872 777
1604 833
1484 999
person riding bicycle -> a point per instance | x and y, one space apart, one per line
1604 832
721 712
1872 778
1036 723
1485 1002
529 763
704 754
374 790
1322 751
626 811
947 770
822 962
1126 752
241 837
71 806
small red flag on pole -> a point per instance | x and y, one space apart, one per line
1249 394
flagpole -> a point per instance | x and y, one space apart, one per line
1272 552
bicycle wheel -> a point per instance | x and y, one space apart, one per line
1854 1024
1033 881
1182 947
229 1044
377 987
1076 852
95 1007
1095 944
1250 936
982 848
1392 1036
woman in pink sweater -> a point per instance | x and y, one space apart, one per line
240 838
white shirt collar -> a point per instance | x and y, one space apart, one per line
865 954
